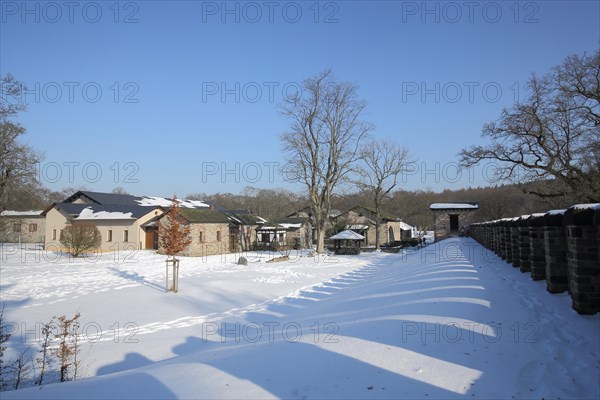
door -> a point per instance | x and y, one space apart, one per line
454 222
151 238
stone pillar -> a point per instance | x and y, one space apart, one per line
555 249
508 240
581 224
536 247
523 244
495 237
486 235
514 243
501 240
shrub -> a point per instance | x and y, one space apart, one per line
81 238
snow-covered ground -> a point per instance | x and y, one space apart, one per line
448 321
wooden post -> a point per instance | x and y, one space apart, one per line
175 273
167 275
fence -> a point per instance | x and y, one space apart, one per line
560 246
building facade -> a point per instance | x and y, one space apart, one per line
450 219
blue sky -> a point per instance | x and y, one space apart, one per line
180 97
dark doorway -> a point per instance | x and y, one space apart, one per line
454 222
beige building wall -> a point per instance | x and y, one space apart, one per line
16 229
112 231
56 221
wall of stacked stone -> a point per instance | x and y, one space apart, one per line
560 246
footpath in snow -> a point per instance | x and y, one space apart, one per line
447 321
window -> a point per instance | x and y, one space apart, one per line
32 227
53 234
218 236
16 227
201 236
109 236
61 235
126 235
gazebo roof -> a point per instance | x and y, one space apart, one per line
347 235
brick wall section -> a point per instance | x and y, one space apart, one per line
496 239
209 245
537 250
583 260
524 249
561 246
514 245
502 240
555 244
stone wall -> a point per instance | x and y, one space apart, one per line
207 239
441 221
560 246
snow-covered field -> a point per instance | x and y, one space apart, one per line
448 321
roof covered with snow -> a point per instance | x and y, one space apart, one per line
453 206
347 235
164 202
357 227
129 200
405 227
89 214
589 206
103 212
29 213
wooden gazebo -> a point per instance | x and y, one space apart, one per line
350 241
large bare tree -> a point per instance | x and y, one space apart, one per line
382 162
17 160
553 137
326 129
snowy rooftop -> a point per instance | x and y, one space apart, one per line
164 202
30 213
347 235
290 226
89 214
556 212
443 206
593 206
405 227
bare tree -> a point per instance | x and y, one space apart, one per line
552 138
4 337
11 91
323 140
382 162
119 190
42 360
79 238
22 367
17 161
173 238
68 346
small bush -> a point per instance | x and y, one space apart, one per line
81 238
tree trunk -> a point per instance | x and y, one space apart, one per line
377 233
320 240
377 221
